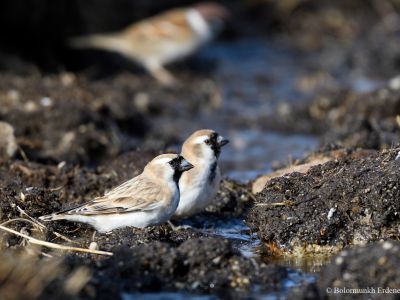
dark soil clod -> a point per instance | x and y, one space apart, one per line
340 203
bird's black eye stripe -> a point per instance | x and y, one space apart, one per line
176 166
213 143
176 162
213 139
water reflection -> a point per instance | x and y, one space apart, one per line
251 152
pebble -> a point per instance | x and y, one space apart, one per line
339 260
46 102
93 246
397 156
331 212
387 245
394 83
8 142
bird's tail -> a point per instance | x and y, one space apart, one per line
109 42
52 217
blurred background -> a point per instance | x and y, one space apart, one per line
284 77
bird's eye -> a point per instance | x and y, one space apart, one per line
207 141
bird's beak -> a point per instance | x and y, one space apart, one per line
222 141
185 165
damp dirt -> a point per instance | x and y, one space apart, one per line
156 258
370 268
343 202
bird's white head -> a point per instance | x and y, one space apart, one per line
208 18
168 167
204 144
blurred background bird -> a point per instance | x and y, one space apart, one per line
162 39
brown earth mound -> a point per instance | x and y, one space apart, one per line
343 202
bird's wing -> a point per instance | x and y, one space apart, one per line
172 25
137 194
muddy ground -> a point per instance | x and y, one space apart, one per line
196 266
340 203
75 163
353 120
82 127
105 117
370 268
155 259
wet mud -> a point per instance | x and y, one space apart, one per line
371 269
366 120
156 258
198 265
343 202
105 118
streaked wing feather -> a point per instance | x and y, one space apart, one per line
166 29
137 194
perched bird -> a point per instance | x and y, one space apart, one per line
199 186
150 198
162 39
